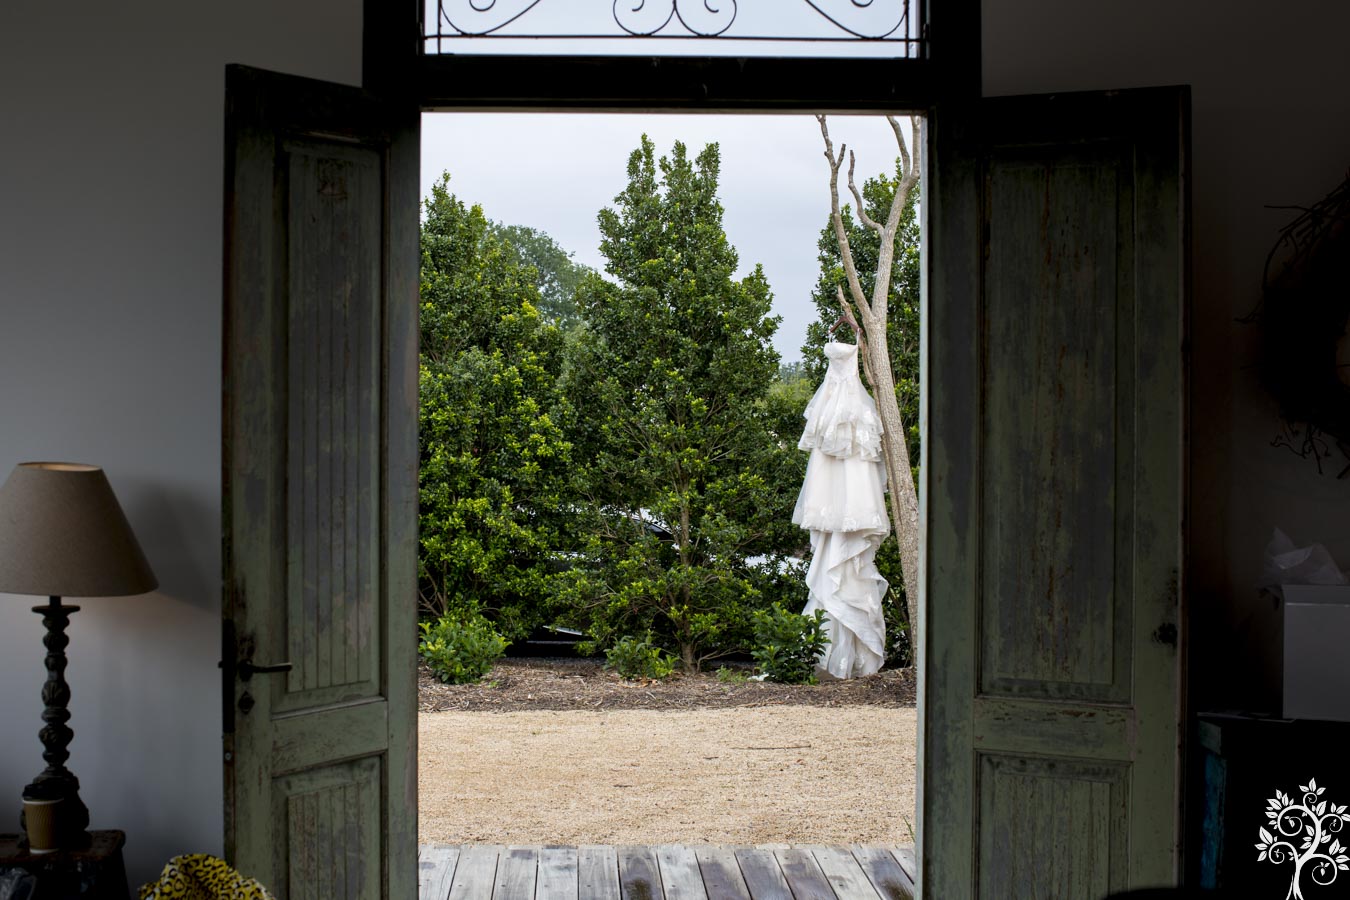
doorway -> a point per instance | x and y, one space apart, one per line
801 764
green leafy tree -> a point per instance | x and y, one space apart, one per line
557 273
902 332
684 525
497 473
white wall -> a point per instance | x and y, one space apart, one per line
111 155
1271 125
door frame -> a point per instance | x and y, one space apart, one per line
949 74
948 68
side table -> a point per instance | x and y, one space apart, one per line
95 872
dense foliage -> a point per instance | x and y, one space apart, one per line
787 644
633 658
683 458
556 274
496 466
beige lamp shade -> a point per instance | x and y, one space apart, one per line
63 534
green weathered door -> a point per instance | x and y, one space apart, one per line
320 488
1053 495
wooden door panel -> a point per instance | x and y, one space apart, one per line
1029 803
1053 495
331 846
332 235
320 483
1056 452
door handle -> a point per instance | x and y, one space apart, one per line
247 669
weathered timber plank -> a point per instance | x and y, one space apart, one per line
763 877
845 875
803 874
680 877
904 855
436 872
598 873
516 871
639 874
476 872
322 450
721 873
887 877
557 874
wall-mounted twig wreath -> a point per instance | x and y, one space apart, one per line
1303 313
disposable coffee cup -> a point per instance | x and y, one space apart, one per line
40 818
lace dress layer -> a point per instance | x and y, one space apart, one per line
842 504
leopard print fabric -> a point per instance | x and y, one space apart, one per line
201 877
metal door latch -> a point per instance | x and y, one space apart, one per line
247 669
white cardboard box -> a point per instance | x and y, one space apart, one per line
1316 667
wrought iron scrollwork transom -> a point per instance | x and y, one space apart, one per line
868 20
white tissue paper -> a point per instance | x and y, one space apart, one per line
1287 564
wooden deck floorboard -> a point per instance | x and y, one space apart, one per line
597 873
676 872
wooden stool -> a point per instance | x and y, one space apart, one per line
95 872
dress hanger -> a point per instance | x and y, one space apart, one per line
841 320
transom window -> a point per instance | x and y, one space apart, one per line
892 29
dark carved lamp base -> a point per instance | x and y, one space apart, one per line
56 781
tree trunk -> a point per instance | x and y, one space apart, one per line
870 325
904 499
687 654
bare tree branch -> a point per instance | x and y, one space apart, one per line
915 139
909 176
857 197
848 312
899 139
845 251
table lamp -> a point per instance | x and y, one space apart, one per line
63 534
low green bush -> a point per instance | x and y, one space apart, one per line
460 648
638 658
788 644
731 676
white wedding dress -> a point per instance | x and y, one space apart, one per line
842 504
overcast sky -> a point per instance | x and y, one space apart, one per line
555 172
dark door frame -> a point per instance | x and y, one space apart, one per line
394 64
949 74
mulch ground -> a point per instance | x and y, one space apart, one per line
558 684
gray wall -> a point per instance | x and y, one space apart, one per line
111 155
110 217
1271 125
